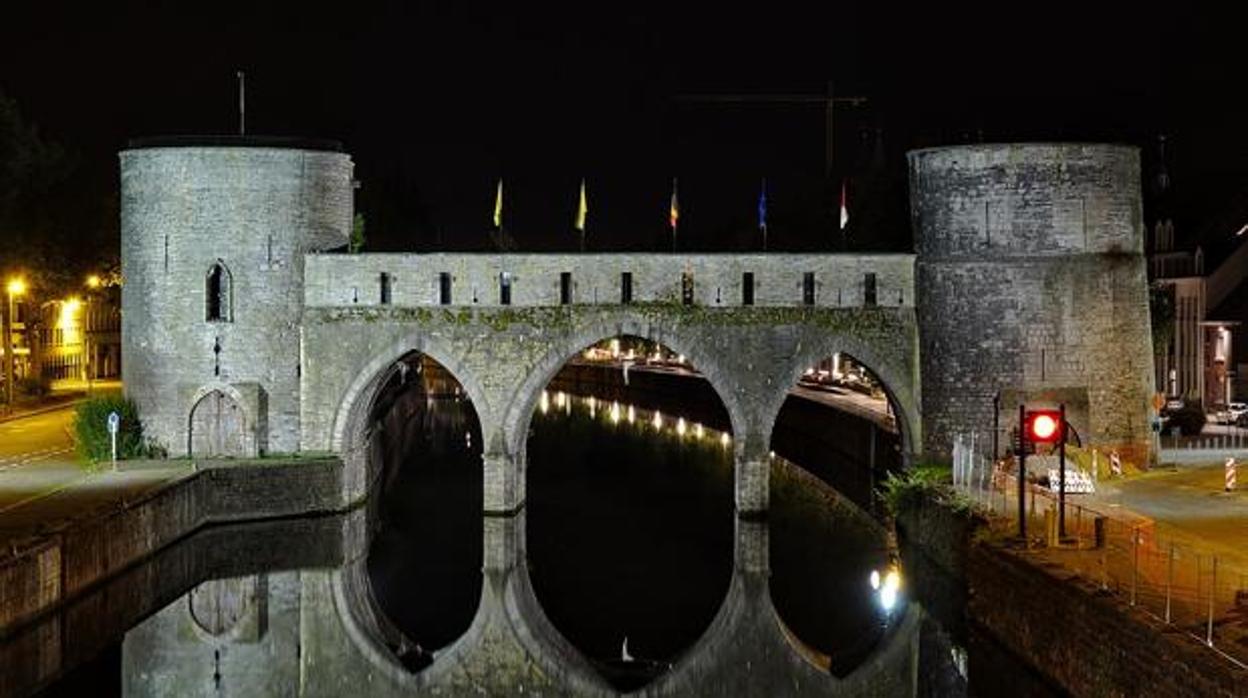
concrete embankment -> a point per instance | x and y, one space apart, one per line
63 560
1078 640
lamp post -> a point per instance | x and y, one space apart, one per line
15 288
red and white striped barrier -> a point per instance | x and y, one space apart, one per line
1230 474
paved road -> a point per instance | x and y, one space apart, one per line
1188 502
43 482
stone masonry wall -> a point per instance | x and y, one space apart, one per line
349 280
1031 278
258 211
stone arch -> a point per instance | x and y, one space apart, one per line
357 401
899 380
234 432
517 414
519 411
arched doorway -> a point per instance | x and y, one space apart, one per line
218 427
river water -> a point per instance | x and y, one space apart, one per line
630 532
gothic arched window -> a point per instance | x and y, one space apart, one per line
218 296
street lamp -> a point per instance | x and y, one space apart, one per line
16 287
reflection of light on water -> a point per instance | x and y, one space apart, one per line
623 411
887 588
615 348
771 454
468 439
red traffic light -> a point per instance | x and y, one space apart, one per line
1044 426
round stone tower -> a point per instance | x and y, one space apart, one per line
213 235
1032 288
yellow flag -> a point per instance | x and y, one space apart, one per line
582 209
498 205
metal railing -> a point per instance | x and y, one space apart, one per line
1195 589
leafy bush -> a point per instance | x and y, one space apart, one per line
91 429
1190 420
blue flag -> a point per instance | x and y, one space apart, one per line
762 205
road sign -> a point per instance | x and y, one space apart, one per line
114 423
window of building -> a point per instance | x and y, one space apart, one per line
218 305
747 288
808 288
565 288
504 288
868 289
386 281
686 288
626 287
444 287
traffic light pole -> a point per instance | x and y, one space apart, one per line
1022 474
1061 463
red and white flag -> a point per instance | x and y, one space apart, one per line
844 207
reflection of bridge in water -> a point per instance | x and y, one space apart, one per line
319 629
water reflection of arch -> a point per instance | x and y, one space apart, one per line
898 377
748 650
351 427
518 413
508 635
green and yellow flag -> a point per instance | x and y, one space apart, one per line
582 209
498 205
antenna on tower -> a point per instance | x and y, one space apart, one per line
242 103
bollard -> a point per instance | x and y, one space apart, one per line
1098 532
1230 474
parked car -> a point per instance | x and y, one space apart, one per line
1242 421
1235 410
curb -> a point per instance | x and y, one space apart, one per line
41 410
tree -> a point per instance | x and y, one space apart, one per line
357 233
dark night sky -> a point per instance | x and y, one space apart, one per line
436 101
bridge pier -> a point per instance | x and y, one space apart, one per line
753 480
504 482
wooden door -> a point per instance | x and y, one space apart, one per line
217 427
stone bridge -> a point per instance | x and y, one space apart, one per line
503 326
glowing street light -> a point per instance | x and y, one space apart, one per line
93 281
15 287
